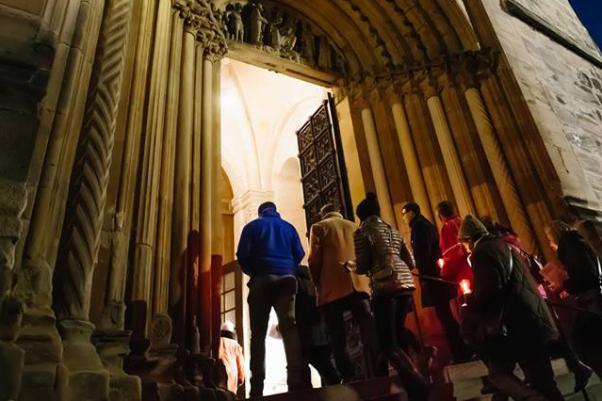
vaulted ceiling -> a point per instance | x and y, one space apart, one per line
376 36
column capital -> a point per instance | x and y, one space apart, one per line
357 96
471 67
427 81
200 20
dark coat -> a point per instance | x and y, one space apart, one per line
583 283
580 262
526 315
425 245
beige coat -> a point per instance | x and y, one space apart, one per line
230 353
331 244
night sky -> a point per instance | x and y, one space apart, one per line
590 13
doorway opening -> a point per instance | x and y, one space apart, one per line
261 113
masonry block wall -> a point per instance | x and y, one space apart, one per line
558 68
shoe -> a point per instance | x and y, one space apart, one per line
409 377
582 376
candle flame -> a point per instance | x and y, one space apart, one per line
465 286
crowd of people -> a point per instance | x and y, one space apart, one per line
369 271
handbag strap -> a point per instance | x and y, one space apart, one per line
510 267
599 275
506 291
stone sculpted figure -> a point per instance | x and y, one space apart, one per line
235 23
275 34
288 38
308 44
256 23
324 54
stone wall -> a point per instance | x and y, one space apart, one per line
562 88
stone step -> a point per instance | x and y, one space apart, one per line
594 393
467 379
379 389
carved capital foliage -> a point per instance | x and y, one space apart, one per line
202 19
473 66
357 96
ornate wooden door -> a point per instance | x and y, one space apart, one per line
323 173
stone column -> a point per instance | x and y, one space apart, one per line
435 179
448 148
146 232
182 201
477 171
206 202
217 243
171 148
124 211
376 163
500 169
409 156
80 240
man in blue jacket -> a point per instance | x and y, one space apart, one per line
270 252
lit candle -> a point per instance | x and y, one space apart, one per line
465 286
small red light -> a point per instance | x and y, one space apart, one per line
465 286
440 263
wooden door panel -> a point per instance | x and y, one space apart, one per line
323 174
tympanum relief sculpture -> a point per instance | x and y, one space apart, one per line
280 32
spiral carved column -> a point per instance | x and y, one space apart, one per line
81 232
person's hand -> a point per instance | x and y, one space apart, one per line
349 265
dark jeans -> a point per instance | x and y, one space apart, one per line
278 292
451 328
536 365
359 306
390 314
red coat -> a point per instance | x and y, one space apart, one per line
455 258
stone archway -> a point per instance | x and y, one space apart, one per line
122 157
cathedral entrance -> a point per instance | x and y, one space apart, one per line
262 112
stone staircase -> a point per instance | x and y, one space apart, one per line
467 382
379 389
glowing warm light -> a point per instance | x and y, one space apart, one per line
465 286
228 99
440 263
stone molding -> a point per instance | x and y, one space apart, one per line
465 69
13 200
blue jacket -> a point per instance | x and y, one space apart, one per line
269 245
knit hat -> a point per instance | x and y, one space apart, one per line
228 326
472 228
